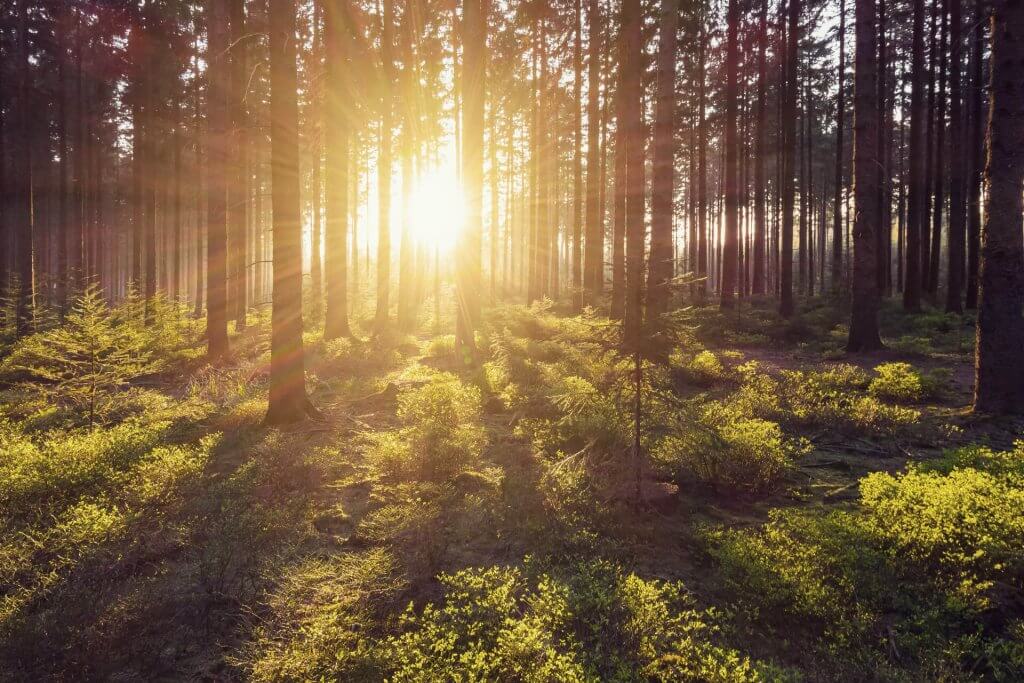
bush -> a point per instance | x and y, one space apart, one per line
441 434
902 382
726 450
591 623
82 365
705 368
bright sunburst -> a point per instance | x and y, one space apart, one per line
437 209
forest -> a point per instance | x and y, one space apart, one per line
512 340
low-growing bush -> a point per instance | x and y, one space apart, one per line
441 434
729 451
904 383
594 622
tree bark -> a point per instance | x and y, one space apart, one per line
918 194
594 237
633 134
999 373
288 401
731 190
864 334
660 266
786 304
837 196
957 177
337 125
218 77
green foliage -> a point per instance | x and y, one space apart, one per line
832 397
593 623
904 383
720 447
923 560
441 434
704 368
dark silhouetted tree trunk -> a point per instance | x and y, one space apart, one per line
288 401
864 319
468 276
760 198
786 305
593 259
217 147
837 196
384 168
957 177
633 136
663 181
337 125
22 218
918 193
975 155
999 373
732 199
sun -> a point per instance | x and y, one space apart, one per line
437 210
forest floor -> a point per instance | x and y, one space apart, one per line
243 569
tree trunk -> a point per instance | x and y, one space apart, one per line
760 199
288 401
22 157
660 266
975 154
218 77
864 319
467 275
384 169
633 134
918 194
238 188
957 177
731 189
786 304
939 167
594 238
999 373
837 197
337 124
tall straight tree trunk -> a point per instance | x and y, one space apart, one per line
238 188
884 232
633 136
384 169
929 155
939 166
577 162
864 334
837 196
316 159
22 157
218 77
918 194
957 177
663 182
288 401
999 373
760 190
618 300
730 247
702 159
594 238
62 234
975 154
786 304
337 125
467 275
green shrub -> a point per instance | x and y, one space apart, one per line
592 623
441 346
37 478
902 382
705 368
83 364
441 434
726 450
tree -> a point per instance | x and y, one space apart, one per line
217 163
631 124
660 265
730 245
957 177
22 156
593 257
468 275
917 191
864 334
337 124
999 373
786 305
384 167
760 198
837 197
288 401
